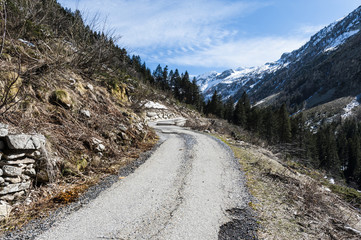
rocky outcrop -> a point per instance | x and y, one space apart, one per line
19 161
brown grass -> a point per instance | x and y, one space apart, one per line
292 205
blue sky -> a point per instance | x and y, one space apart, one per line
204 35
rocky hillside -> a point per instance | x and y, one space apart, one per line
324 69
85 98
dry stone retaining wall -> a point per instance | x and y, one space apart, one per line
19 155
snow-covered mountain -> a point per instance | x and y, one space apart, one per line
291 71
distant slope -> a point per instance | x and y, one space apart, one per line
325 68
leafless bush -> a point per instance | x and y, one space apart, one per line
11 86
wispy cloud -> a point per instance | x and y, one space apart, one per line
310 29
246 53
170 23
191 32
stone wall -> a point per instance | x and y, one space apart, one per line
19 155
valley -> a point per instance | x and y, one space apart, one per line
94 144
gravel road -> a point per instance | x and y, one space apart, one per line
190 188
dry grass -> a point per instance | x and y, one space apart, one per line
292 205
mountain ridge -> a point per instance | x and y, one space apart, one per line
273 78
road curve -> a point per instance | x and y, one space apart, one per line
185 190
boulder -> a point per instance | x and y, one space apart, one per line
62 98
2 144
5 210
25 141
2 181
12 171
3 130
12 188
1 172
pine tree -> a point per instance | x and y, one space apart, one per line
353 168
239 114
269 125
215 105
229 109
164 81
246 103
158 75
284 130
176 81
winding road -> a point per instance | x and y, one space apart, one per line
185 190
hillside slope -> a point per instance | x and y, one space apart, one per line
89 99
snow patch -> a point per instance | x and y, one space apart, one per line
340 40
154 105
348 109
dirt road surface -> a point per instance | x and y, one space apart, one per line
190 188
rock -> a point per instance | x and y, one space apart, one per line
12 171
123 128
2 180
99 147
20 162
3 130
42 176
139 126
90 87
5 210
34 155
25 141
12 188
151 114
2 145
13 180
25 178
29 166
13 156
62 98
30 172
96 141
85 113
1 172
124 136
19 194
82 164
7 198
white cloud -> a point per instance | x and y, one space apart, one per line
169 23
310 29
246 53
191 32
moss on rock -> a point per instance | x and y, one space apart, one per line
62 98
